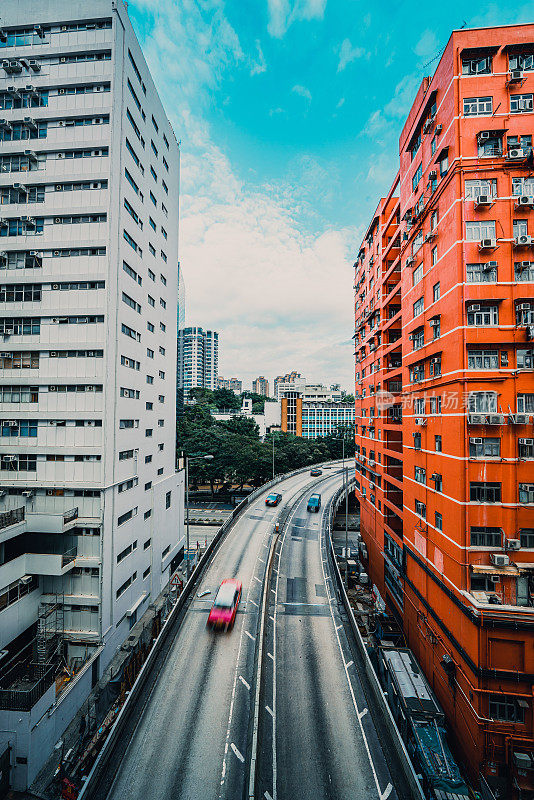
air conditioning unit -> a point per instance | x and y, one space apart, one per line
483 200
516 76
526 441
494 578
56 252
21 187
499 559
27 494
516 153
523 241
525 200
519 419
512 544
410 261
430 237
435 360
2 494
475 307
11 423
487 244
523 307
57 220
433 323
432 175
30 122
31 154
489 266
61 90
483 135
475 440
34 65
10 459
420 421
495 419
435 476
476 419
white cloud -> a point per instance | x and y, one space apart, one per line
278 295
403 96
427 44
258 65
348 53
303 91
283 13
340 102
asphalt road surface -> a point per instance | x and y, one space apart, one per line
318 728
191 740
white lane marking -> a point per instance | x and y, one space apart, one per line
269 709
273 591
267 796
257 579
349 664
351 690
243 681
338 627
387 792
288 603
250 636
362 713
253 603
237 753
297 538
270 656
271 617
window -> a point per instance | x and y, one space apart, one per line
481 273
520 227
482 402
418 174
524 61
481 492
146 573
127 516
433 145
161 375
160 471
168 500
418 338
488 447
131 394
417 441
476 66
154 148
482 316
420 509
438 521
520 103
418 306
506 708
434 256
151 275
134 156
526 536
475 231
148 432
436 291
434 220
131 302
417 372
128 423
166 551
474 188
130 362
153 173
420 475
525 448
526 492
127 583
435 323
417 274
489 146
150 379
126 552
124 455
147 514
525 403
150 327
435 366
132 273
444 163
151 301
486 537
524 271
152 223
525 359
483 359
151 249
148 459
478 106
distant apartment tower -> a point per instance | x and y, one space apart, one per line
287 381
314 411
91 518
197 359
261 386
444 333
233 384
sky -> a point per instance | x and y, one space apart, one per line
288 113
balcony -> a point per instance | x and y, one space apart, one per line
393 521
36 554
12 517
51 522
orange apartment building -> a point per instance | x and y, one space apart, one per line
444 335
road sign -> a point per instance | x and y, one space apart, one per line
176 581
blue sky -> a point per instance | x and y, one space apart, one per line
289 113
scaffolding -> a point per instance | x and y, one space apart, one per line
49 635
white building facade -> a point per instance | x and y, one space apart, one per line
91 507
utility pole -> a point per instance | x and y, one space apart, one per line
345 486
187 459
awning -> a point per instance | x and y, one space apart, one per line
525 566
483 569
131 611
523 47
478 52
441 153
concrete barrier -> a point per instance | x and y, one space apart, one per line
100 767
379 696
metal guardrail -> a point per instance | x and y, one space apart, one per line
11 517
380 698
99 769
25 699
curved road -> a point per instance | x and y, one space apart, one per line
191 740
318 734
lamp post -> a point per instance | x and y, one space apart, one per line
187 460
345 486
272 436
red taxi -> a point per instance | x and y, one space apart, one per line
224 608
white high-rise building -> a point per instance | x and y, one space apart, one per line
198 359
91 507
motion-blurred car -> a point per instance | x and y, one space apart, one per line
224 608
273 499
315 472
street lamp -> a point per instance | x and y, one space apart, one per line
187 459
345 486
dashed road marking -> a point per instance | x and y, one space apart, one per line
362 713
237 753
244 682
387 791
267 796
270 656
349 664
257 579
253 603
250 636
270 711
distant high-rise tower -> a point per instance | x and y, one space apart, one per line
198 359
261 386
